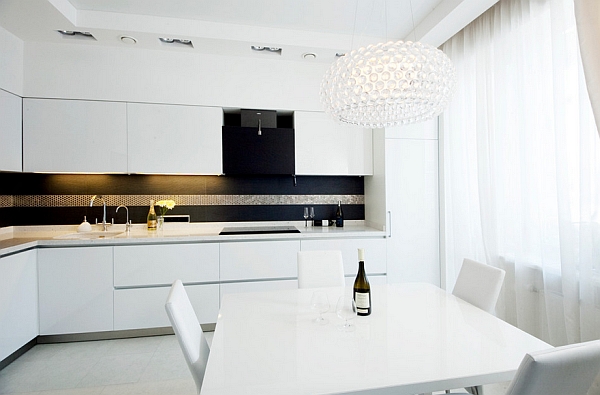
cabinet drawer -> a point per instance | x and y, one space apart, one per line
259 260
163 264
257 286
375 253
145 307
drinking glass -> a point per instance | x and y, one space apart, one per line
305 216
345 310
320 303
312 214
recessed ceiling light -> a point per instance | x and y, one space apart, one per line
261 48
128 40
309 55
184 41
76 34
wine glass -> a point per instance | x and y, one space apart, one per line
312 214
346 310
305 216
320 303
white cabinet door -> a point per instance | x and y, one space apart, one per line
257 286
74 136
324 147
174 139
255 260
151 265
10 132
375 253
75 290
139 308
412 200
18 301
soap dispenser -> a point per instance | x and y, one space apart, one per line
84 226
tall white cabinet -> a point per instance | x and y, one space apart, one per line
407 176
10 132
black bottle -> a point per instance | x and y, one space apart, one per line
339 215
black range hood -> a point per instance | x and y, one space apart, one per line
257 147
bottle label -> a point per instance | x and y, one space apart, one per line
152 224
362 302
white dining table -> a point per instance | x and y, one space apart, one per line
418 339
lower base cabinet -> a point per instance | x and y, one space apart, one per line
145 307
18 301
75 290
257 286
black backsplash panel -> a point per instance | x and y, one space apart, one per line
68 184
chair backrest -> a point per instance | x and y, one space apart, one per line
479 284
320 269
188 331
559 371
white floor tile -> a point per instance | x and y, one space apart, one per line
116 369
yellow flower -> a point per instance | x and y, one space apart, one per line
165 205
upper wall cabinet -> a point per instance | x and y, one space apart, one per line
10 132
324 147
174 139
74 136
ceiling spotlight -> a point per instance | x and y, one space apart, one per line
259 48
309 55
340 54
75 33
128 40
183 41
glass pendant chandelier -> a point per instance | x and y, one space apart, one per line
388 84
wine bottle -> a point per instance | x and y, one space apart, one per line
151 217
339 215
362 289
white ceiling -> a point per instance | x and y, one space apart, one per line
230 27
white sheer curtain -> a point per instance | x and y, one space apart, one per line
521 167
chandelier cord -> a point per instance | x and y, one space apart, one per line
354 28
412 16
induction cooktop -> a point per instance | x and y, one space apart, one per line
257 230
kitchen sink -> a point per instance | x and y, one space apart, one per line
99 234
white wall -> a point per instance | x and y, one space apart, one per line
131 74
11 63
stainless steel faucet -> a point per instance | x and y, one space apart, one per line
127 221
105 225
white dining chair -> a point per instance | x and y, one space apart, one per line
188 331
566 370
320 269
479 284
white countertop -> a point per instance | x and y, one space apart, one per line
19 238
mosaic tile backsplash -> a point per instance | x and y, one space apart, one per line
44 199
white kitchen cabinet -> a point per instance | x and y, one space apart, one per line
75 290
74 136
144 274
174 139
411 179
257 286
18 301
11 147
375 253
151 265
138 308
325 147
255 260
